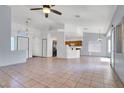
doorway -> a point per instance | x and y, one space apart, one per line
54 48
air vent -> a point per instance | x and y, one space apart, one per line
85 28
77 16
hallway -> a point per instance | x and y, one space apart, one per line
39 72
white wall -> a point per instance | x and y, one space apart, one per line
37 46
60 37
6 56
61 49
119 58
73 32
37 42
33 34
49 45
37 49
87 37
119 65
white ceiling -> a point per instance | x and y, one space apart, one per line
92 17
20 14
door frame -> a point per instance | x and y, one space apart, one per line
18 41
113 48
42 46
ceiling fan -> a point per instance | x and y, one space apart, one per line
47 9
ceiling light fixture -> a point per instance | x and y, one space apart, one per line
46 10
99 36
77 16
27 24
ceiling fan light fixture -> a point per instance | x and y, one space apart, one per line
46 10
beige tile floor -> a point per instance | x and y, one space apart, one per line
86 72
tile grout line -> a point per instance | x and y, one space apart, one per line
13 78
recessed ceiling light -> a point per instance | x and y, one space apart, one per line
77 16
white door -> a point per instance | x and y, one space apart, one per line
23 44
44 47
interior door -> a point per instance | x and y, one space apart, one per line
44 47
23 44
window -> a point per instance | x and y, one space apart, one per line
13 44
94 46
109 45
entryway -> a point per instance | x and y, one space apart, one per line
54 48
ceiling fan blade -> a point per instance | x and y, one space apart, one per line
36 9
46 15
56 12
52 5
